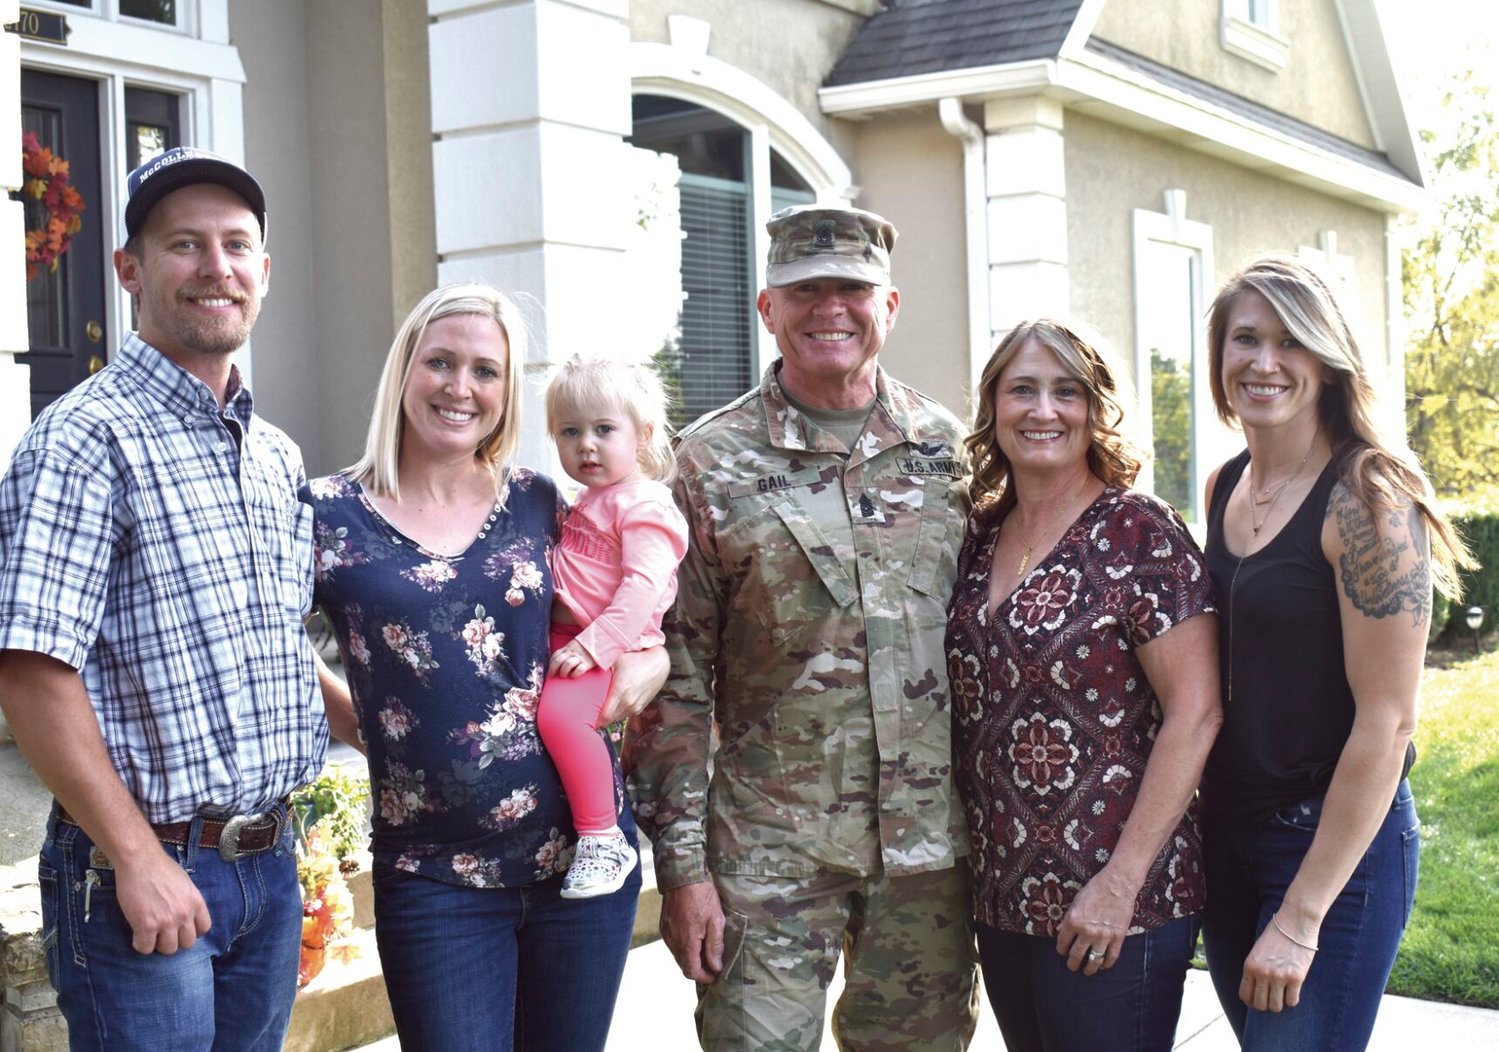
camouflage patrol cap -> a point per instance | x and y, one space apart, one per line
815 241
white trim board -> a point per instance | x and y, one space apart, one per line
1099 86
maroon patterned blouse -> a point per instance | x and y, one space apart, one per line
1053 718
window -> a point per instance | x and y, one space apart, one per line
46 293
1168 313
1251 30
161 12
152 125
716 359
1177 425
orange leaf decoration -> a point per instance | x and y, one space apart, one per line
48 184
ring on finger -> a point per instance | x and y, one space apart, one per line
1095 955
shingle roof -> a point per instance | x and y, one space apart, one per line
931 36
1254 111
914 37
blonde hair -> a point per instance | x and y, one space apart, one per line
1111 456
378 469
1380 473
635 388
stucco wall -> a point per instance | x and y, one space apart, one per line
911 172
1112 170
754 37
338 127
272 44
1317 85
408 133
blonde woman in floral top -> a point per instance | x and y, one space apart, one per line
1082 652
431 566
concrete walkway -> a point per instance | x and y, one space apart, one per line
655 1004
24 806
655 1011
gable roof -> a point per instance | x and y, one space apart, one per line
1248 109
916 52
931 36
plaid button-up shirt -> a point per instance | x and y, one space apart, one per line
157 544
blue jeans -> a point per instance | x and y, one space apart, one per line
232 989
500 968
1131 1007
1249 867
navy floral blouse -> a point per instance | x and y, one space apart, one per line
1053 717
445 657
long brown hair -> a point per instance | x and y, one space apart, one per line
1111 456
1381 473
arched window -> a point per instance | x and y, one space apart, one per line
716 359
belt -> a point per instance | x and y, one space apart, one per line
232 837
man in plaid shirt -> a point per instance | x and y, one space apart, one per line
155 567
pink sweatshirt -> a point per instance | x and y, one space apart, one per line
615 567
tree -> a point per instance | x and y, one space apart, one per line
1171 427
1450 279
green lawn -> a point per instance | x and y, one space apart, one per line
1451 951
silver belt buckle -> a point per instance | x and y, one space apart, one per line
229 836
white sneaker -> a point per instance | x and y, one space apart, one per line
600 866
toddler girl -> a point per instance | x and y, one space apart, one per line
614 571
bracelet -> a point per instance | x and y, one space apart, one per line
1275 920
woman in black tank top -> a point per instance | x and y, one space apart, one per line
1323 547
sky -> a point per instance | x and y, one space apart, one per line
1432 39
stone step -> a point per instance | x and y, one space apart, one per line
29 1019
345 1006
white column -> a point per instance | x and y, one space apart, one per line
1027 205
530 106
15 379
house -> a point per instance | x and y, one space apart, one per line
1108 162
613 162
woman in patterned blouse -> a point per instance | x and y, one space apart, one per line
1085 699
431 567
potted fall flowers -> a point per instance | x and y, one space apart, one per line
331 828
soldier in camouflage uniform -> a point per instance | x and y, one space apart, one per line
796 773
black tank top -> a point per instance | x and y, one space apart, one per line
1281 643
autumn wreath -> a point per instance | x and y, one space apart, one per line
46 180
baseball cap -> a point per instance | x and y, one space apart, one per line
816 241
183 166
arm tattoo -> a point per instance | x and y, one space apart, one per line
1370 564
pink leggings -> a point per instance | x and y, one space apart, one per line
567 718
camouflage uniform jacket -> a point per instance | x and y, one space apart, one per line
806 644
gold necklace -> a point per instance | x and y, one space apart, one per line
1025 560
1265 496
1269 500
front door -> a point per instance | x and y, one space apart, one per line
65 306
